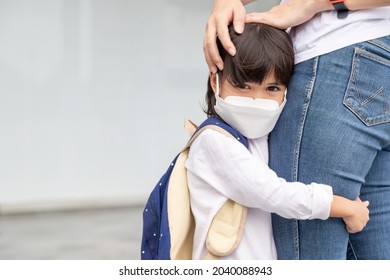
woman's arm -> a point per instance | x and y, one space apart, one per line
295 12
365 4
288 14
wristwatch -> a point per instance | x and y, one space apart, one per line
339 6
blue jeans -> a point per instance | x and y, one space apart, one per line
335 129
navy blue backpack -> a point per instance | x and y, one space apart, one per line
168 224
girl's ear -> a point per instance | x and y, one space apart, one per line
213 81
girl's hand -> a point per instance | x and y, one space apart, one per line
359 217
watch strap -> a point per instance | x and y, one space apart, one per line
342 10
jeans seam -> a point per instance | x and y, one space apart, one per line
296 239
369 55
309 90
379 44
352 249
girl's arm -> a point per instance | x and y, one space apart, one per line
354 213
225 166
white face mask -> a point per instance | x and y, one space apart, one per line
253 118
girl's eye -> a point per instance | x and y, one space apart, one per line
241 86
273 88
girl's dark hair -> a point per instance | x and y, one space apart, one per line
261 49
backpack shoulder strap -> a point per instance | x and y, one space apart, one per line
216 124
227 226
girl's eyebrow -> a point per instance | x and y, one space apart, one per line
274 84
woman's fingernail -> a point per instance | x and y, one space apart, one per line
232 51
239 28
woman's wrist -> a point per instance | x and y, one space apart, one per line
244 2
317 6
325 5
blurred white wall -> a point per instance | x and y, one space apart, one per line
93 95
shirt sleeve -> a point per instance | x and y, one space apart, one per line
227 166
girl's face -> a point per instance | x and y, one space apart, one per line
269 89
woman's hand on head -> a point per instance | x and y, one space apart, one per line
289 14
222 14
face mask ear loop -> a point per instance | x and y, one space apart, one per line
217 84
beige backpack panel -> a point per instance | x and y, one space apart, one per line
227 226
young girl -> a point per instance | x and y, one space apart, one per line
249 95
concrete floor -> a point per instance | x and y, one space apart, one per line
109 234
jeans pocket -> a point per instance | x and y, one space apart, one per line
368 91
